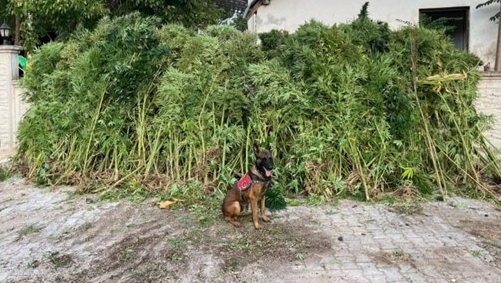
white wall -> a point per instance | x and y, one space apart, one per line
489 103
290 14
12 106
19 108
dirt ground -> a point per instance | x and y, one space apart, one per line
57 236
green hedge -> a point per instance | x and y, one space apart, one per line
354 109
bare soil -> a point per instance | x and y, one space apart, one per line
57 236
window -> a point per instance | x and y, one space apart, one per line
454 19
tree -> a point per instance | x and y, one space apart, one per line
236 20
497 65
39 18
190 13
487 3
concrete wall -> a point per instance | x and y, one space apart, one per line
489 102
290 14
11 105
19 106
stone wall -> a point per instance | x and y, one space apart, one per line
489 102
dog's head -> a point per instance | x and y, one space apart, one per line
264 161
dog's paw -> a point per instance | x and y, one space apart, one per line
236 223
266 219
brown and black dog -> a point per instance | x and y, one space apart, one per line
250 189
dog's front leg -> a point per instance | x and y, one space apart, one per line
253 202
263 210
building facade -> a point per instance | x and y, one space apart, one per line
472 29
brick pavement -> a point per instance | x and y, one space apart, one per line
379 245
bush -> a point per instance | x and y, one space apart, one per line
134 105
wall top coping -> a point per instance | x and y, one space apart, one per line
10 49
494 75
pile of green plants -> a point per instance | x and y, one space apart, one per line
349 110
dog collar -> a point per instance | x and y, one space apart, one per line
260 182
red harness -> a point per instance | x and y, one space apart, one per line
244 183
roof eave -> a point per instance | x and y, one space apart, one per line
253 6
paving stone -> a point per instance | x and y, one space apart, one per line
349 266
392 274
362 258
418 277
369 268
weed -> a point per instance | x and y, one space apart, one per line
58 260
127 253
28 230
353 110
5 173
33 264
242 246
496 245
408 208
130 225
398 253
397 257
134 275
177 256
177 243
293 201
299 256
475 253
316 200
331 212
335 261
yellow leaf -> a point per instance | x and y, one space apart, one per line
167 203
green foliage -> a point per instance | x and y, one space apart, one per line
441 24
240 23
124 50
273 42
373 36
190 13
364 12
275 199
488 3
135 105
39 17
5 173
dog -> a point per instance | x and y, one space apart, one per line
251 188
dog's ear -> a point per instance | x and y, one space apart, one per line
256 149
